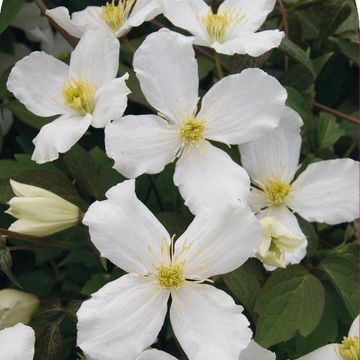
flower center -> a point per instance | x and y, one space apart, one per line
115 15
217 24
79 95
171 277
192 131
349 348
276 192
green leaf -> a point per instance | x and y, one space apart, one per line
95 283
292 300
51 342
343 274
328 131
175 224
312 237
347 48
295 100
8 12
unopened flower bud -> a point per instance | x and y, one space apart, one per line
16 306
39 211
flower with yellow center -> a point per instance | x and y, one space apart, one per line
129 235
233 29
326 191
349 349
83 94
235 110
115 16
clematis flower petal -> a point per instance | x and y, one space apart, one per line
110 102
327 191
275 154
207 176
208 323
328 352
256 352
59 136
125 231
62 17
242 107
154 354
354 328
218 241
257 199
36 81
132 312
253 44
95 58
90 19
141 144
166 67
17 343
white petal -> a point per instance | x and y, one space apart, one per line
90 19
95 58
208 323
328 191
354 329
124 317
327 352
141 144
154 354
257 199
125 231
242 107
256 352
61 16
110 102
166 67
274 155
218 241
253 44
17 343
36 81
207 176
255 11
186 14
59 136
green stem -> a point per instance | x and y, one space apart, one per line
219 68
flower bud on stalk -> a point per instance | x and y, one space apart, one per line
16 306
39 211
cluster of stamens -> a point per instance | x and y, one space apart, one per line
192 131
349 348
116 14
276 192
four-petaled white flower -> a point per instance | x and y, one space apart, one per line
326 191
349 349
231 30
84 93
116 17
17 343
237 109
205 320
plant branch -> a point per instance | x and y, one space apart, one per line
336 113
285 26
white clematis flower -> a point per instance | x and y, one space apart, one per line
17 343
252 352
237 109
117 17
206 321
231 30
327 191
84 93
349 349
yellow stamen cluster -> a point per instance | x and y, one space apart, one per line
79 96
115 15
276 192
349 348
217 24
170 277
192 131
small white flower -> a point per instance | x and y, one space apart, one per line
231 30
40 212
16 306
17 343
206 321
237 109
277 241
326 191
84 93
349 349
115 17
